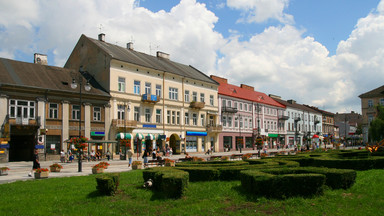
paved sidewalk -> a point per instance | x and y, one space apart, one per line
19 170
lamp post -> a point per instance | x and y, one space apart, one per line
77 79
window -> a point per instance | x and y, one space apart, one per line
136 113
136 87
194 118
120 112
382 101
245 122
169 117
121 84
229 121
186 95
178 117
194 96
211 100
224 122
173 117
202 118
96 113
223 102
158 115
229 103
21 109
186 118
53 110
147 88
241 106
250 107
245 107
235 105
75 112
370 119
250 123
202 97
370 103
241 122
158 90
211 120
173 93
147 115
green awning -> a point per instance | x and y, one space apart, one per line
139 136
150 137
123 136
273 135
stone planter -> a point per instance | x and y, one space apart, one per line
170 164
97 170
140 166
3 172
41 175
55 169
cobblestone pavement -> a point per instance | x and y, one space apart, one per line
19 170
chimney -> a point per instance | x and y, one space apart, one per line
243 86
219 79
274 96
40 59
291 101
162 55
130 46
102 37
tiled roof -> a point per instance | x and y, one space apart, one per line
23 74
377 92
247 94
296 106
149 61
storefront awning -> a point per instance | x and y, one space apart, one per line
139 136
149 137
123 136
161 137
273 135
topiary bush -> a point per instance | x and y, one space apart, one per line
108 183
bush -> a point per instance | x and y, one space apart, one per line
108 183
282 186
230 173
202 173
211 163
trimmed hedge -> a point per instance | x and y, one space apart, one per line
108 183
211 163
201 173
282 186
170 182
335 178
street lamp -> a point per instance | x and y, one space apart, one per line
78 79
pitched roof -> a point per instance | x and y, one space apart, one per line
23 74
149 61
296 105
377 92
247 94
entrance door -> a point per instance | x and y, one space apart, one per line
21 148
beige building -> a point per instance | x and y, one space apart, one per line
369 101
155 102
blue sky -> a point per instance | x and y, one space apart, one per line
323 53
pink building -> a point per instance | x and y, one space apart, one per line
246 114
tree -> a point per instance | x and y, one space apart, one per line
376 129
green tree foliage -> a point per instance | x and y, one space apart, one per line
376 129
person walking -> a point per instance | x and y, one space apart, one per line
108 155
36 163
130 155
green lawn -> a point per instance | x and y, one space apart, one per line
78 196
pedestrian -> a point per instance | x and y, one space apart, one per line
62 156
36 163
145 157
108 155
130 154
154 154
211 150
170 151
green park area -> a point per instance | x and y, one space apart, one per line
323 183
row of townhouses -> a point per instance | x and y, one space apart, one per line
108 93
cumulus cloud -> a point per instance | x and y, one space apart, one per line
262 10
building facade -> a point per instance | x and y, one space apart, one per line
246 114
39 109
155 102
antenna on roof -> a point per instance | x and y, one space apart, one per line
152 48
100 28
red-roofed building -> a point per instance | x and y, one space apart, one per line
246 114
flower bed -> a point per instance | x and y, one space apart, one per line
55 167
4 171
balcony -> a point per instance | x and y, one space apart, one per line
214 128
226 109
25 121
149 98
197 105
297 119
317 121
283 117
119 123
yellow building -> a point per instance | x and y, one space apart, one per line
155 102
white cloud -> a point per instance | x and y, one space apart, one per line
262 10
